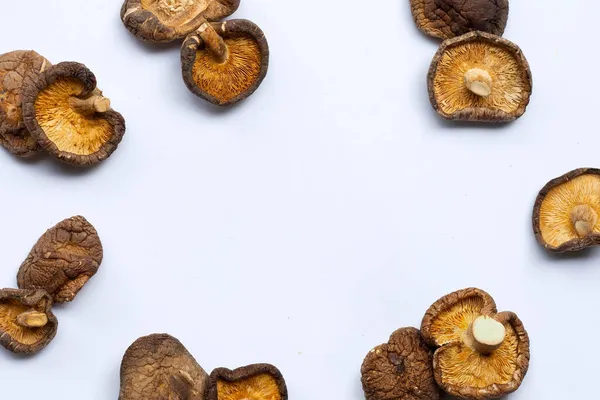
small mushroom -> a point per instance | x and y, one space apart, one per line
400 369
226 62
27 323
253 382
161 21
446 19
479 77
69 117
62 260
158 366
15 68
481 354
565 214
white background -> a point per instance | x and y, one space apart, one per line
302 227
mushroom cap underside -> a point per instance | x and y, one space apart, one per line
255 382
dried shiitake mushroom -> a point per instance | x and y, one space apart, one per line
226 62
400 369
253 382
479 77
161 21
15 68
565 214
62 260
69 117
446 19
481 354
158 367
27 324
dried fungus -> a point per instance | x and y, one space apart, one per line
62 260
226 62
253 382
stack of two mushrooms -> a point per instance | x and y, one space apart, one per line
465 347
222 62
476 75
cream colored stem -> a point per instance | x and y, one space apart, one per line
478 81
485 335
213 42
32 319
584 219
91 105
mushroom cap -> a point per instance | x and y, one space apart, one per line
162 21
63 259
506 65
157 367
400 369
446 19
459 369
69 135
552 224
19 339
252 382
239 76
15 68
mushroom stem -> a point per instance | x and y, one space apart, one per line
32 319
584 219
213 42
478 81
90 105
485 334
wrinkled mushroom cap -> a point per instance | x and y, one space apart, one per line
15 68
162 21
446 19
242 72
158 367
555 212
400 369
253 382
459 369
73 136
62 260
503 61
22 339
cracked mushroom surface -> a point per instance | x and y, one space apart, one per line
481 354
400 369
159 367
162 21
27 323
252 382
226 62
446 19
15 68
479 77
63 259
69 117
565 214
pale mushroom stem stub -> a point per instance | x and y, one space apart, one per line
213 42
479 82
90 105
32 319
584 219
485 334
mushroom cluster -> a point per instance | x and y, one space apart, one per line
56 108
56 269
158 366
476 75
465 347
222 62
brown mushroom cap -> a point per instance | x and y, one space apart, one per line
162 21
565 214
158 367
234 77
15 68
479 77
69 117
27 323
446 19
62 260
253 382
400 369
465 364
